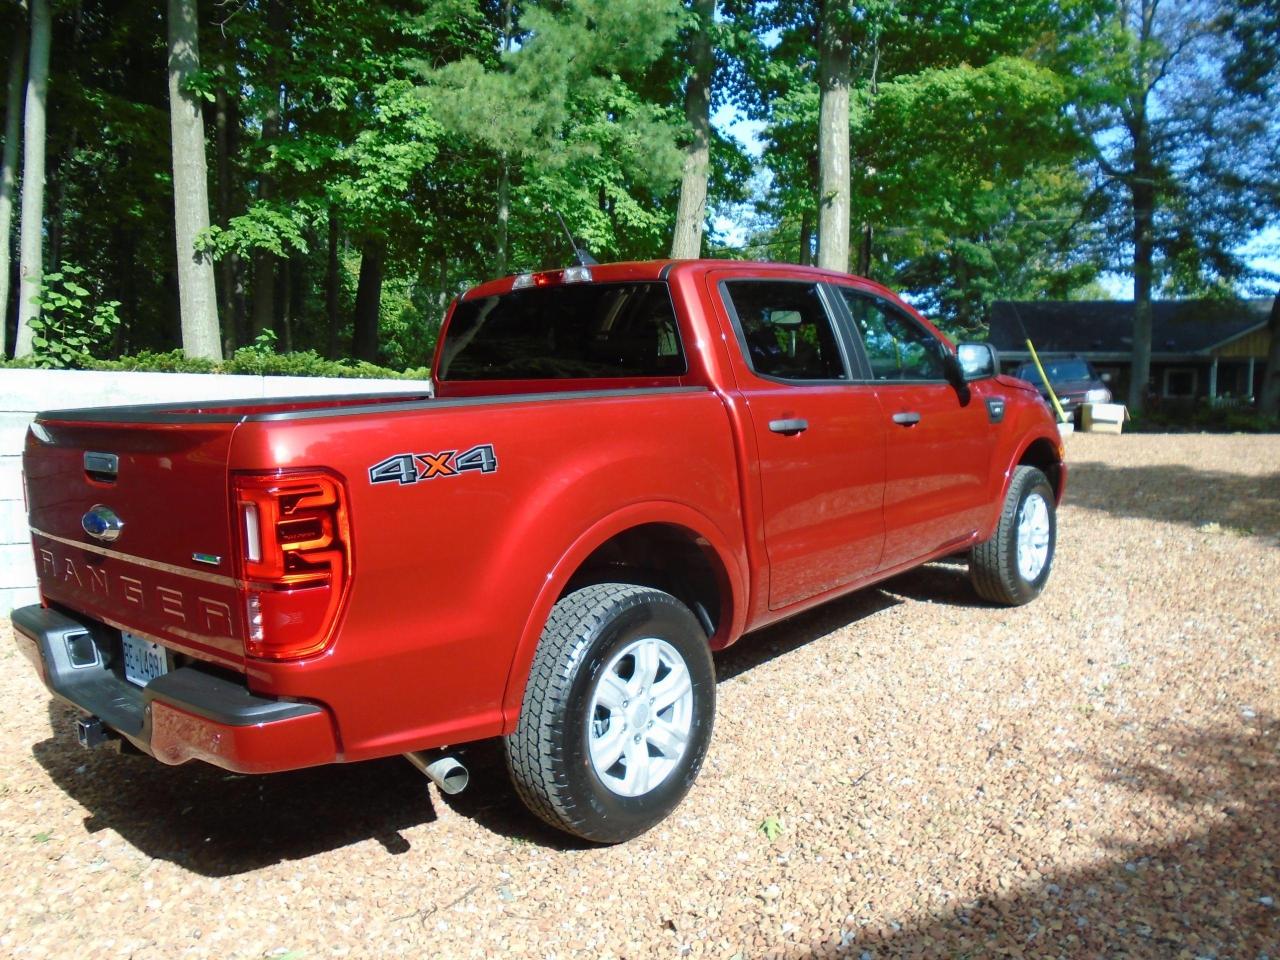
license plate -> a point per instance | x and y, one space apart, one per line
143 659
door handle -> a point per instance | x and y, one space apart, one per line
908 419
789 427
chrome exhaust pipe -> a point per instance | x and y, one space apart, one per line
447 773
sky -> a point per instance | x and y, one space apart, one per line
729 122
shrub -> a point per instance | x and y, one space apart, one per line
245 360
175 361
1199 416
74 322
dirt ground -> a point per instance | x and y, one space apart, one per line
1096 774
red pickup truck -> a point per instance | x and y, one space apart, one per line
623 469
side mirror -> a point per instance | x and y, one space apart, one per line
977 360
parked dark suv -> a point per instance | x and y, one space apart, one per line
1074 380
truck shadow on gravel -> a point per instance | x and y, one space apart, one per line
220 824
1237 503
758 648
490 800
1214 892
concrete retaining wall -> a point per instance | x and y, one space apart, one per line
23 393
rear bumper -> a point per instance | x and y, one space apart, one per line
188 714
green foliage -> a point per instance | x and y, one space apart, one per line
74 322
964 182
147 361
255 360
977 132
771 827
264 344
1177 109
267 225
1255 26
570 114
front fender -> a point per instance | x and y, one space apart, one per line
1042 432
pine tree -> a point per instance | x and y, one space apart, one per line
1186 164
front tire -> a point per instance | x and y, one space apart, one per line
617 712
1013 566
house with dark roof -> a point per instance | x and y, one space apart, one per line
1199 348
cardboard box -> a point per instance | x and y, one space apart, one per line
1103 417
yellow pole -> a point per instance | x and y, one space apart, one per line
1053 397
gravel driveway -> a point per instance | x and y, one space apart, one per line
1095 774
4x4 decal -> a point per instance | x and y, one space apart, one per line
406 468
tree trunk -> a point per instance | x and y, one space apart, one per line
31 256
502 251
197 291
55 191
368 300
225 116
8 172
692 210
502 247
1143 195
264 262
263 314
1269 398
806 238
442 283
863 268
834 44
287 307
299 284
331 287
864 251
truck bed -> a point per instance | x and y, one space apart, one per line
447 564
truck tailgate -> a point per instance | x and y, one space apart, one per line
166 573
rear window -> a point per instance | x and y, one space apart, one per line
587 330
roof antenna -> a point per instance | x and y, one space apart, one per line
579 253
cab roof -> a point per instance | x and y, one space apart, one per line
641 270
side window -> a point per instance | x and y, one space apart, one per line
786 330
897 347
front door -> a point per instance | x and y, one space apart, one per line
820 436
940 438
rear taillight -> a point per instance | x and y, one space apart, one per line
294 560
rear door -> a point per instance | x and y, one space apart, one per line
940 439
819 433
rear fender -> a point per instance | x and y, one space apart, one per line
634 515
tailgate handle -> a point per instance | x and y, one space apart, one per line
789 427
102 466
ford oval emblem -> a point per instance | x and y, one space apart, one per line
101 523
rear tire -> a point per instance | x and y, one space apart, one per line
617 712
1013 566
